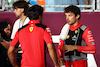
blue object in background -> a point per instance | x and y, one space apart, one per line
50 2
32 2
63 2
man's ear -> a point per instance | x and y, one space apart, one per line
22 9
78 16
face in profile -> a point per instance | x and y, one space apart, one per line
18 12
7 30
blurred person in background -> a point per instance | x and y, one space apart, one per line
4 43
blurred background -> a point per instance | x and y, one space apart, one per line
56 5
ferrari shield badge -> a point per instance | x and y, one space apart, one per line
31 29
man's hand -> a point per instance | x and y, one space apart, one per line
61 61
70 48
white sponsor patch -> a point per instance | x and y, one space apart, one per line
90 36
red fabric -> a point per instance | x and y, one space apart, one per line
32 44
59 50
73 28
89 39
81 63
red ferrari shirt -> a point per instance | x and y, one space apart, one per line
32 38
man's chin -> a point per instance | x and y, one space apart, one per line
69 24
17 16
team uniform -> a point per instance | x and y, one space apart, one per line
32 38
77 35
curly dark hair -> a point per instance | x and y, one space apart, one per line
74 9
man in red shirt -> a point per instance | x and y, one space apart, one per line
32 38
76 40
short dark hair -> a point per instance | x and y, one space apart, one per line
72 8
21 4
34 12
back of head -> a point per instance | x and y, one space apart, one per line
72 8
21 4
34 12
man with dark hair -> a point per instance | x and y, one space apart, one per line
76 40
21 8
32 38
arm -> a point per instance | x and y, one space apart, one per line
89 39
59 50
13 45
53 54
51 48
12 56
5 43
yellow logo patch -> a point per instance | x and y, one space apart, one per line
31 29
76 31
31 21
67 36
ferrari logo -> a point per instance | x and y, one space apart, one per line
31 29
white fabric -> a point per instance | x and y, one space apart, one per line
64 32
18 25
63 66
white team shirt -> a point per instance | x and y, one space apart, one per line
18 25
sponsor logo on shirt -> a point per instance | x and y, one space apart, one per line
67 36
92 43
90 36
76 31
31 29
74 38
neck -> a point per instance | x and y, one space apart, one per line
23 19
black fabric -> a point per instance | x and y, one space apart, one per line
41 25
71 41
4 60
23 27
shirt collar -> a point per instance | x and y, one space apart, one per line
73 28
33 21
